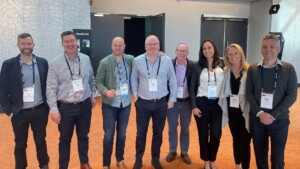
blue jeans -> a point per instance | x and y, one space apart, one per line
278 131
114 118
144 111
184 112
72 115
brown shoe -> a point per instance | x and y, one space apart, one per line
86 166
186 158
121 165
171 156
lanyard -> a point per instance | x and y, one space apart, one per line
184 74
214 76
33 73
275 79
119 70
148 67
70 67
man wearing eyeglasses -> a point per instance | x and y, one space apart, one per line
23 97
151 76
182 108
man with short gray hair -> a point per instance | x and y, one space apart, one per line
271 89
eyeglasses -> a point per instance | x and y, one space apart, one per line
152 44
182 51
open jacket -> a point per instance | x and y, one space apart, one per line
11 85
226 92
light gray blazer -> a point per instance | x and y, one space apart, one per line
226 92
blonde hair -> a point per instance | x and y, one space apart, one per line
243 64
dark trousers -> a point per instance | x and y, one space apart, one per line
278 132
114 118
72 115
241 137
209 127
144 111
38 120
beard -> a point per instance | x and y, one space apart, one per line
27 52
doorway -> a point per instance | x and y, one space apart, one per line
224 31
134 29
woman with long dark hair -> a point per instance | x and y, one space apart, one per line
205 87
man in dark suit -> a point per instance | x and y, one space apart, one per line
182 110
23 98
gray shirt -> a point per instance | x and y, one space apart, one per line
122 76
165 78
59 80
27 79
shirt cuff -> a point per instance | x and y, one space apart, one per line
260 112
54 110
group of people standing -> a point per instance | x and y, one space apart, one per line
254 100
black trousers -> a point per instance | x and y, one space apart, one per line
79 116
209 127
278 132
144 111
37 119
241 137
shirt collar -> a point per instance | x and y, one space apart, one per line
261 62
177 64
33 57
68 57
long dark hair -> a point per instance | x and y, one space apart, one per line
202 59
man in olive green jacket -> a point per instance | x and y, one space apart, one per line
113 82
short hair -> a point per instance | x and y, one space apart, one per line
244 64
65 33
181 43
151 36
24 35
273 37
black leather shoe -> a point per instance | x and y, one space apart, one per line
171 156
157 165
186 158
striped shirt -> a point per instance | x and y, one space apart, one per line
59 80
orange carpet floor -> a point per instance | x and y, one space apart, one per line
224 159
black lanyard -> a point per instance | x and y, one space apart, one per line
33 73
148 67
119 70
209 76
275 79
183 79
70 67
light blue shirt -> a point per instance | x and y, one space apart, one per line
166 78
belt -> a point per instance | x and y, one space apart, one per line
34 108
183 99
155 100
72 103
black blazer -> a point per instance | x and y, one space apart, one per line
11 86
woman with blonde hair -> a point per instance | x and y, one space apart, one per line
234 104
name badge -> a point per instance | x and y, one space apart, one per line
180 92
28 94
234 101
153 85
77 85
124 89
212 92
266 100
